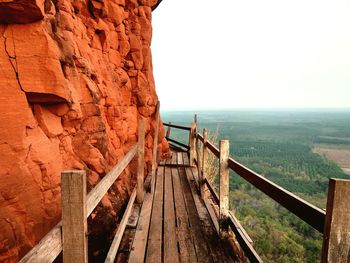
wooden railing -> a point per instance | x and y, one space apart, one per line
70 234
332 223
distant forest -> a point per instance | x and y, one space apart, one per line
279 146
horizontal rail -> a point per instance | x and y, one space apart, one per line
215 150
177 126
212 191
97 193
178 143
51 245
177 148
119 234
309 213
243 239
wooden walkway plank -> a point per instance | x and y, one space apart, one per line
171 253
210 233
174 224
186 246
174 158
202 249
154 248
138 252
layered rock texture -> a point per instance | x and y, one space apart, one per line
75 78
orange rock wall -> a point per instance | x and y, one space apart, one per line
75 78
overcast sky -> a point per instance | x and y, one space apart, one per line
252 53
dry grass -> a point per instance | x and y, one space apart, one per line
211 168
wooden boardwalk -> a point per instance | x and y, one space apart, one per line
173 225
176 214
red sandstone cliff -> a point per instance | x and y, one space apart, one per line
75 77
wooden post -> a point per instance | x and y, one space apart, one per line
168 131
74 226
204 157
191 144
336 235
140 161
224 186
195 127
199 167
155 146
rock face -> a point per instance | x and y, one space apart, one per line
75 78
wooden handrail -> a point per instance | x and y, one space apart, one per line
97 193
212 191
215 150
309 213
243 239
119 234
51 245
178 143
177 126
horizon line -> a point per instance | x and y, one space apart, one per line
259 108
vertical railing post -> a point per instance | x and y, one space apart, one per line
336 235
224 186
192 143
140 161
204 159
155 146
199 168
74 226
168 131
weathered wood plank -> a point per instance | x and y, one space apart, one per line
138 251
140 162
119 234
217 252
199 241
204 160
155 146
74 224
134 216
243 239
201 183
96 194
47 249
186 246
51 245
177 126
336 237
224 186
211 210
171 253
173 158
192 144
177 143
154 247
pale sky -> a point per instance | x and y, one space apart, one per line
252 53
